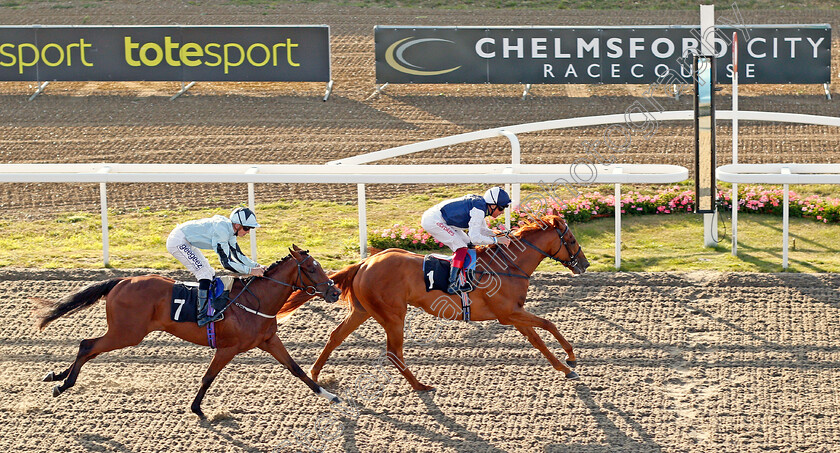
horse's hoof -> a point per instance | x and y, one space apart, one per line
335 400
49 377
572 376
197 411
56 391
425 388
571 363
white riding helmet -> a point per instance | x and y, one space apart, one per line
244 217
497 196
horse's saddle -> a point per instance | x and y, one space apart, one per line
185 299
436 274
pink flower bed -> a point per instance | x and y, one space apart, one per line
591 205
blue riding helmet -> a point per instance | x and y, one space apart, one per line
497 196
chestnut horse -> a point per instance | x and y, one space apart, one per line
138 305
384 284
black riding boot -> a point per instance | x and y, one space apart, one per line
454 280
203 297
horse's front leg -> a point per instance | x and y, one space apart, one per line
220 360
275 347
537 342
522 317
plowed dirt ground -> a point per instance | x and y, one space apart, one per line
669 362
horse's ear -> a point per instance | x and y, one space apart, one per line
294 246
294 252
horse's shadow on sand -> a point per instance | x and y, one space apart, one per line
222 426
614 436
454 430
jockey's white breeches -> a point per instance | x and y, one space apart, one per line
452 237
189 256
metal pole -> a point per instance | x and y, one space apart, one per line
734 141
362 221
707 47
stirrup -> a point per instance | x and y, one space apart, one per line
207 319
453 288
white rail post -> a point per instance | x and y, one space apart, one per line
508 209
513 189
103 201
253 236
735 141
362 221
515 159
617 171
785 221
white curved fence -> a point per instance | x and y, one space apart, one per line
344 174
785 174
352 171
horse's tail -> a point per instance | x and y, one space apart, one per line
343 280
47 311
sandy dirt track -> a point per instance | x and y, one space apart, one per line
669 362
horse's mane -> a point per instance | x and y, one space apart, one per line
546 221
550 221
283 260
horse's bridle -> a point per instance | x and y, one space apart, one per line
572 262
311 289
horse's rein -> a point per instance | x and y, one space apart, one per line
569 264
572 262
308 289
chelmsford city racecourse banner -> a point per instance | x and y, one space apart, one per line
165 53
590 55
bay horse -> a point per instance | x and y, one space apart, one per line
136 306
384 284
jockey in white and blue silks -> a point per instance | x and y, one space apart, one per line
447 220
216 233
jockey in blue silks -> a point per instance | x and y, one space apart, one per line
447 220
216 233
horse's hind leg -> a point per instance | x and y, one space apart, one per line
395 335
537 342
51 376
89 349
356 317
275 347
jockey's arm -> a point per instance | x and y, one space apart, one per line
231 256
479 233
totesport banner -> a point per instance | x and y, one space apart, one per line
590 55
165 53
